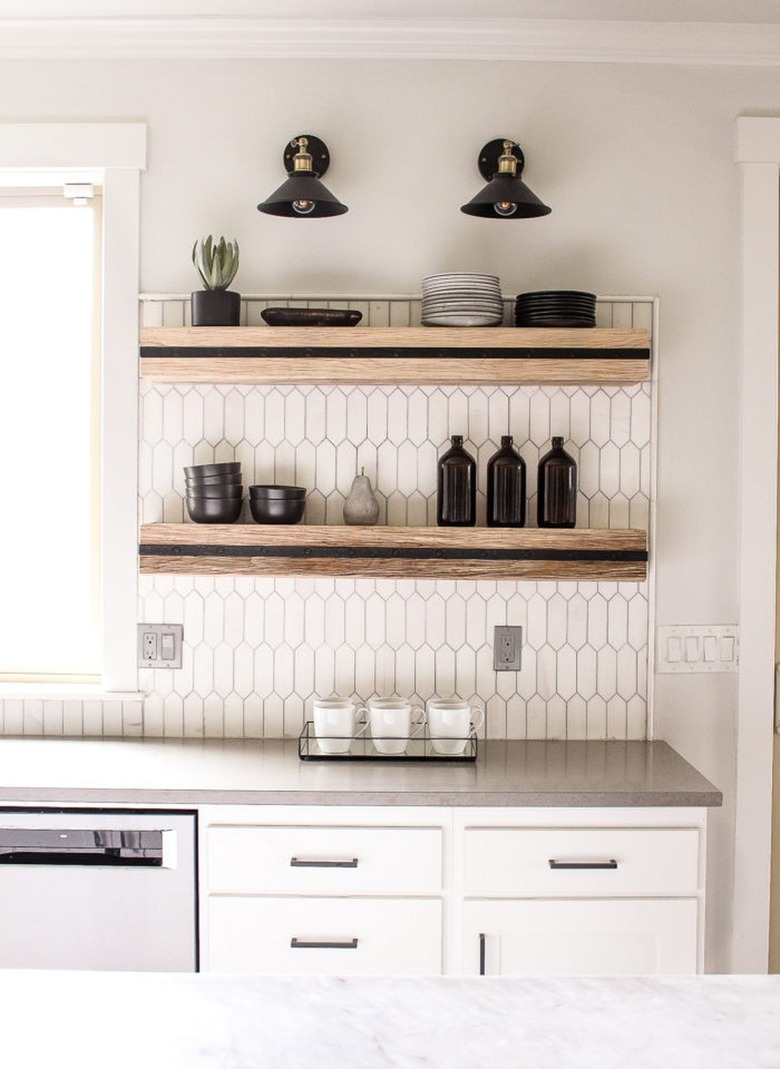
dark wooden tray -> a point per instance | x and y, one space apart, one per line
311 317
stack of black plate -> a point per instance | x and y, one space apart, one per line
555 308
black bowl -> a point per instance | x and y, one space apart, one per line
214 509
277 509
213 469
228 493
285 493
230 478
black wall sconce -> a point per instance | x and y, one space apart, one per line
303 196
505 196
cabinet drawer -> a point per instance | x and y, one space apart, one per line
573 861
296 935
587 937
324 860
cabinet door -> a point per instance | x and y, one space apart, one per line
580 937
341 936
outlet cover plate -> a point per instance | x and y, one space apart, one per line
159 645
507 648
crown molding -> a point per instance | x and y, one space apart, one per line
572 41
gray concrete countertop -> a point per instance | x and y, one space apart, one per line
189 772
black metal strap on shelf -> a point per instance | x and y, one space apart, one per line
329 352
392 553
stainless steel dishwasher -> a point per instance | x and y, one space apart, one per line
98 889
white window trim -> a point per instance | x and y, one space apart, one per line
116 154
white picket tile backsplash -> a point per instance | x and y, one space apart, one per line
256 650
71 717
264 429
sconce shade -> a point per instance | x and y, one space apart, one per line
303 196
302 189
505 196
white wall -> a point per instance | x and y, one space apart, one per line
637 164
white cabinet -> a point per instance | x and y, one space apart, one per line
460 891
580 937
614 892
263 859
328 890
347 936
575 861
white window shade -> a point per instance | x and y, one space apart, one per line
50 439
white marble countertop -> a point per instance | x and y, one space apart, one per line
188 772
173 1021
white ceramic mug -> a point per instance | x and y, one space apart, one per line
393 722
450 723
337 721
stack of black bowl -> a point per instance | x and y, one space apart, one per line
555 308
214 492
277 504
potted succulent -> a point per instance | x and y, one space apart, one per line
216 263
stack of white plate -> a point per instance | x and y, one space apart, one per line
462 300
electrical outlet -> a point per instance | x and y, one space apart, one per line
507 646
159 645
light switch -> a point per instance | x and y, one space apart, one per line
167 646
697 648
710 648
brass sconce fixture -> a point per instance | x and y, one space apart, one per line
505 196
303 196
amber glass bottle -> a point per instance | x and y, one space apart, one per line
506 486
456 500
557 488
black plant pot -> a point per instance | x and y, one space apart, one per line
216 308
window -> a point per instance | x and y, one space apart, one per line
92 640
50 437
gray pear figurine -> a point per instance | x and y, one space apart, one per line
361 506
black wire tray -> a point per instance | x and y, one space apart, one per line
418 748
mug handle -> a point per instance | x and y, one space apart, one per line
478 718
418 723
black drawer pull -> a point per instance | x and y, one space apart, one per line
323 944
303 863
611 864
482 942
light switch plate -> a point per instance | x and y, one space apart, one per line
698 648
159 645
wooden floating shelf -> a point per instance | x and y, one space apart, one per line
388 356
394 552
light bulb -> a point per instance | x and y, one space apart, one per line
304 207
505 208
